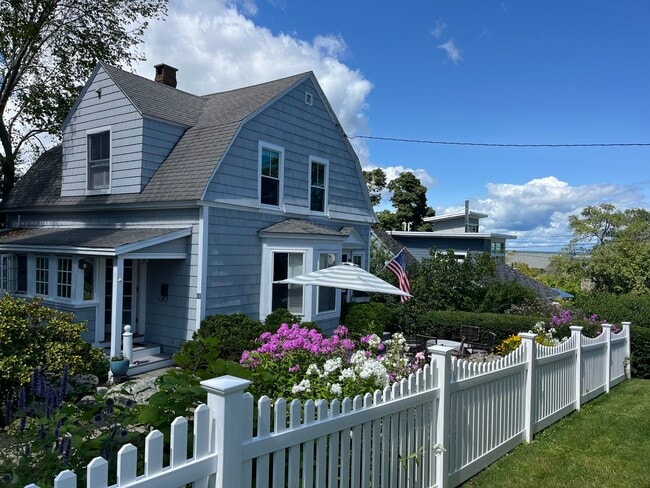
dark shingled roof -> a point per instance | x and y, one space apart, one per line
212 121
295 226
506 273
85 237
393 246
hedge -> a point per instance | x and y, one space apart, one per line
616 308
640 352
446 324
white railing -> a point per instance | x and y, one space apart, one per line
437 428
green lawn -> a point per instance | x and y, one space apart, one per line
605 445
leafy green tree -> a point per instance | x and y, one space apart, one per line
376 182
619 262
47 50
442 283
409 197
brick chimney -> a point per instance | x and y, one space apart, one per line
166 75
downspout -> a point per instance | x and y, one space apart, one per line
202 261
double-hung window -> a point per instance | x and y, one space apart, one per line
270 161
99 160
8 273
42 278
318 186
64 278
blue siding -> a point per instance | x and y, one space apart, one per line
302 131
419 246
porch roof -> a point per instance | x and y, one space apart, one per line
96 241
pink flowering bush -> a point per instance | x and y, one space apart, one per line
297 362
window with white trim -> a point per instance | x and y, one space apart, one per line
64 277
99 160
42 275
270 162
287 265
326 295
8 273
88 265
318 186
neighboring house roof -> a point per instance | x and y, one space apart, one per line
213 121
534 259
506 273
452 235
393 246
453 216
296 226
107 239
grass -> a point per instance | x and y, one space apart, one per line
606 444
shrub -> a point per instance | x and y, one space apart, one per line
617 308
447 324
640 360
223 336
367 318
501 296
34 336
278 317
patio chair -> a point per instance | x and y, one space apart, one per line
469 335
486 346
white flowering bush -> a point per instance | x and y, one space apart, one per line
297 362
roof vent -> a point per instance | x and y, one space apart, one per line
166 75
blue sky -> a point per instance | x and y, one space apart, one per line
479 71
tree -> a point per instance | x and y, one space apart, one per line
619 262
47 49
409 197
442 283
376 182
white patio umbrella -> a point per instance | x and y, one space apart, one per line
347 276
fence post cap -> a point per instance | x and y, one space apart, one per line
626 323
225 385
527 335
576 328
606 326
441 350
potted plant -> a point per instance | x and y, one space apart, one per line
119 365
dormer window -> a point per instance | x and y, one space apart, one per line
99 160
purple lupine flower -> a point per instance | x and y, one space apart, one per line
22 398
294 369
64 381
41 432
23 423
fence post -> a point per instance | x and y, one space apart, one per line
607 330
628 351
528 338
576 335
226 404
127 343
442 356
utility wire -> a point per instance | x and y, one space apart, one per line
493 144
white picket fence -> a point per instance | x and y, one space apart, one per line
435 429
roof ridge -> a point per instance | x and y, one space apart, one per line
149 80
256 85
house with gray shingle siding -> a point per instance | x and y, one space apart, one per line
161 207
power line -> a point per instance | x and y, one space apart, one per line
494 144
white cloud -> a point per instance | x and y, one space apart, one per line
217 46
453 53
537 211
438 28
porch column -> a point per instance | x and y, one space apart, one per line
116 308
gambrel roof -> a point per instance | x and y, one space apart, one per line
212 122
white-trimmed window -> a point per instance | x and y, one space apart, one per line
326 295
8 273
42 275
318 185
271 161
288 265
88 265
64 278
99 161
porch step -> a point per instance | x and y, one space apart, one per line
145 363
141 351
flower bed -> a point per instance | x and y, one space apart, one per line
298 362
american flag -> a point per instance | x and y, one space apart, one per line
397 266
